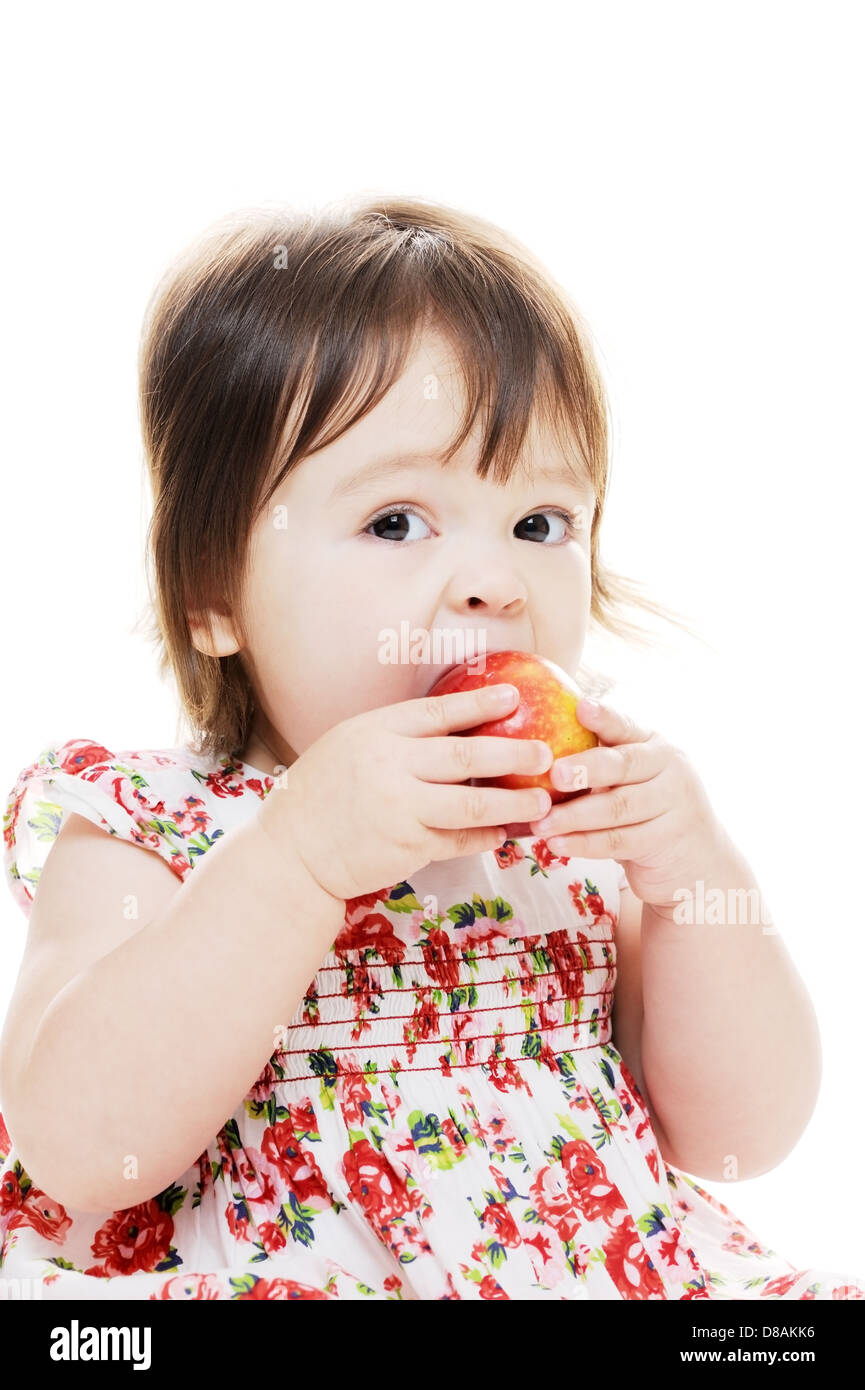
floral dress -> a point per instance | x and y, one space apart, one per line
444 1116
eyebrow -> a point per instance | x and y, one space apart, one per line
391 464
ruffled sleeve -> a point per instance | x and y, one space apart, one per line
115 792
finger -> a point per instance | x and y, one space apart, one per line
601 767
625 805
610 725
432 715
456 759
452 844
458 807
620 842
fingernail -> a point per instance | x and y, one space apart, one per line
590 706
502 694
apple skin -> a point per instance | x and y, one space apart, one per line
547 710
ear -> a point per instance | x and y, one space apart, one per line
213 633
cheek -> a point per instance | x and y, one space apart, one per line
320 668
290 594
561 619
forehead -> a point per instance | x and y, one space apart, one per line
414 424
389 465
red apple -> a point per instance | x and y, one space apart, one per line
547 710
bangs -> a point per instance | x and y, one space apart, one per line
520 350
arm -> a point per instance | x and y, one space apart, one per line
146 1051
730 1044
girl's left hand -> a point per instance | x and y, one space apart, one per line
648 809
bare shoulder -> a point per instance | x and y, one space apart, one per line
95 891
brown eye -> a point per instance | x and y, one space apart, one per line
386 524
540 533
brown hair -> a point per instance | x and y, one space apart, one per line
275 332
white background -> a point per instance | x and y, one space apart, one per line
692 175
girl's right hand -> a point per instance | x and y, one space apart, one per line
383 793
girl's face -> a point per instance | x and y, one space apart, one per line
332 570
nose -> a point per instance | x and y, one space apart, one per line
494 591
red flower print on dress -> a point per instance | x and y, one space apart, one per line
576 892
548 1258
352 1092
551 1012
228 781
237 1221
491 1288
452 1134
626 1093
271 1289
739 1243
505 1075
544 855
303 1118
11 1196
272 1237
34 1208
375 1186
297 1166
191 819
776 1288
441 958
483 928
508 854
190 1286
366 902
628 1264
566 958
362 988
259 1179
78 755
671 1249
553 1205
548 1058
499 1221
398 1147
117 784
374 931
587 1178
261 1090
423 1024
138 1238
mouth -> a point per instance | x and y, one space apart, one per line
440 671
475 663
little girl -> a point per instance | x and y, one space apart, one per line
361 1025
